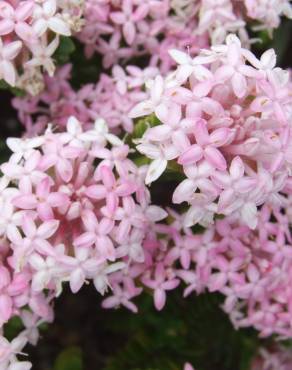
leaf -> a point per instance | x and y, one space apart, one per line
69 359
15 90
13 327
65 49
143 124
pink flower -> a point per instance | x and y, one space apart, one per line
15 20
46 17
188 366
160 284
43 200
206 146
127 17
8 52
234 184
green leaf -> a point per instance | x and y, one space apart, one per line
13 327
69 359
143 124
65 49
14 90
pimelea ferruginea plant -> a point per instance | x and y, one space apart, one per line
123 29
74 208
224 120
29 36
111 98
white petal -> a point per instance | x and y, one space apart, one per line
59 26
155 170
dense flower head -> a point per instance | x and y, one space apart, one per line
74 209
250 268
120 30
111 98
225 121
29 36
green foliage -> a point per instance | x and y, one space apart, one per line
69 359
85 70
143 124
281 41
13 327
64 51
193 329
14 90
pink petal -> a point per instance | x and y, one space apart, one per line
236 168
64 169
26 33
239 85
45 211
245 185
141 12
184 191
110 302
28 201
47 229
29 227
11 50
85 240
201 132
9 73
129 31
105 226
58 199
158 133
24 10
159 299
96 192
107 177
118 17
6 26
217 281
215 158
227 197
5 308
13 234
126 188
191 155
219 136
77 279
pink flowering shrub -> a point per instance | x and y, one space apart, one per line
120 30
29 36
224 121
74 208
117 94
75 199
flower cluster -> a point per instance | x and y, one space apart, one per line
111 98
74 209
75 205
29 36
120 30
251 268
275 358
224 122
